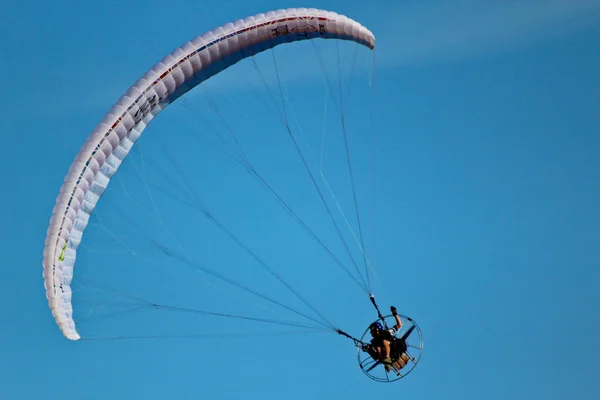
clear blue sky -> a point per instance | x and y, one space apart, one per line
484 228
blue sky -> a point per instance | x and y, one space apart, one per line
483 225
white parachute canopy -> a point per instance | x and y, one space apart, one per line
113 138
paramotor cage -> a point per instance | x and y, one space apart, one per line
406 351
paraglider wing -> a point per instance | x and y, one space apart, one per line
113 138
